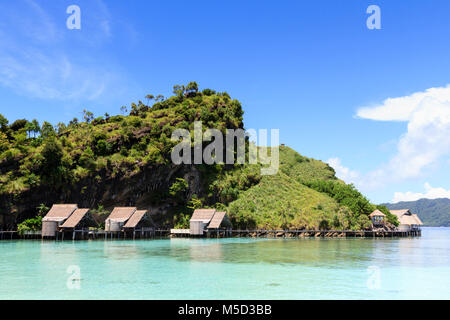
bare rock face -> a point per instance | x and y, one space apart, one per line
146 190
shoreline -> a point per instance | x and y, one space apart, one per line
81 235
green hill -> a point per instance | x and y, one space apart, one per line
122 160
432 212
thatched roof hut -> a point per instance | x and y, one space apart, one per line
206 218
204 215
408 220
118 218
57 215
80 218
377 217
216 221
140 218
377 213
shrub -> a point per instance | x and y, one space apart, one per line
33 224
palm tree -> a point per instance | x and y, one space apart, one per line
149 97
36 128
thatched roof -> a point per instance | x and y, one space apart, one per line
135 219
60 212
406 217
121 213
216 221
400 212
204 215
377 213
417 219
75 218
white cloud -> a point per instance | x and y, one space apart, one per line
38 59
404 108
342 172
51 76
430 193
425 143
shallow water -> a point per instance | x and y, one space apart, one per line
403 268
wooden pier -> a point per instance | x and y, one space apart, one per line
321 233
86 234
8 235
150 233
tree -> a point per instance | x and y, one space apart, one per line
18 124
47 130
61 127
178 90
4 143
52 153
29 129
208 92
149 97
192 87
87 116
194 203
124 110
42 209
36 128
178 189
87 158
3 123
73 122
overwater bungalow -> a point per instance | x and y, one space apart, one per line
218 220
408 221
57 215
378 218
205 221
199 221
118 218
78 223
140 223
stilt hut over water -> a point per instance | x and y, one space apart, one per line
140 224
57 215
139 219
199 220
79 221
118 218
207 220
378 218
408 221
218 221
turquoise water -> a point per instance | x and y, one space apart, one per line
406 268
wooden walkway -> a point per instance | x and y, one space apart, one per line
8 235
165 233
323 233
141 233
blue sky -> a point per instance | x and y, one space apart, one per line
312 69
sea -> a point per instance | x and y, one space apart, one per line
230 268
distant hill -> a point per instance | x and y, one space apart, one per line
433 212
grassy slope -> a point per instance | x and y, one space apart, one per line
282 201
